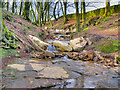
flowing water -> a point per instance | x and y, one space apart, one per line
81 74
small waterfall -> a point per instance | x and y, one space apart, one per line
51 48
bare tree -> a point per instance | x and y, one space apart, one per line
84 12
21 5
107 8
7 5
13 6
76 2
65 11
26 10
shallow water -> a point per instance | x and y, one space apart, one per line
81 74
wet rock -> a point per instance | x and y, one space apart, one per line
89 42
78 43
53 72
47 54
20 67
40 43
61 46
95 58
27 67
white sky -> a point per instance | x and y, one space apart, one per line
97 3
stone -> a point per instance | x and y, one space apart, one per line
31 66
61 46
53 72
89 42
78 43
40 43
20 67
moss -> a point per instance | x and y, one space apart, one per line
113 46
8 17
85 29
41 35
101 27
7 52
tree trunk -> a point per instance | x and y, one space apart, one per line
62 7
54 11
81 12
58 10
26 10
1 26
84 13
33 13
65 12
40 15
48 16
107 8
13 6
7 5
45 16
21 5
77 17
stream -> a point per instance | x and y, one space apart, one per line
82 74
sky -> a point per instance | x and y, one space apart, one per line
97 4
94 4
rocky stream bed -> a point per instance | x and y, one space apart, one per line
59 72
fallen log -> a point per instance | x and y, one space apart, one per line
31 44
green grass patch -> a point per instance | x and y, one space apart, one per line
101 27
85 29
7 52
105 19
112 47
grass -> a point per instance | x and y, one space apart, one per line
112 47
101 27
105 19
85 29
8 52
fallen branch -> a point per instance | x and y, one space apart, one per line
33 45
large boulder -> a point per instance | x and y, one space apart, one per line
78 43
62 46
40 43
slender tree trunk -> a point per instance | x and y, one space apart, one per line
84 12
7 5
0 7
48 16
107 8
62 7
33 13
42 12
13 6
26 10
3 3
21 5
45 12
65 12
77 17
81 12
58 10
40 15
54 11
